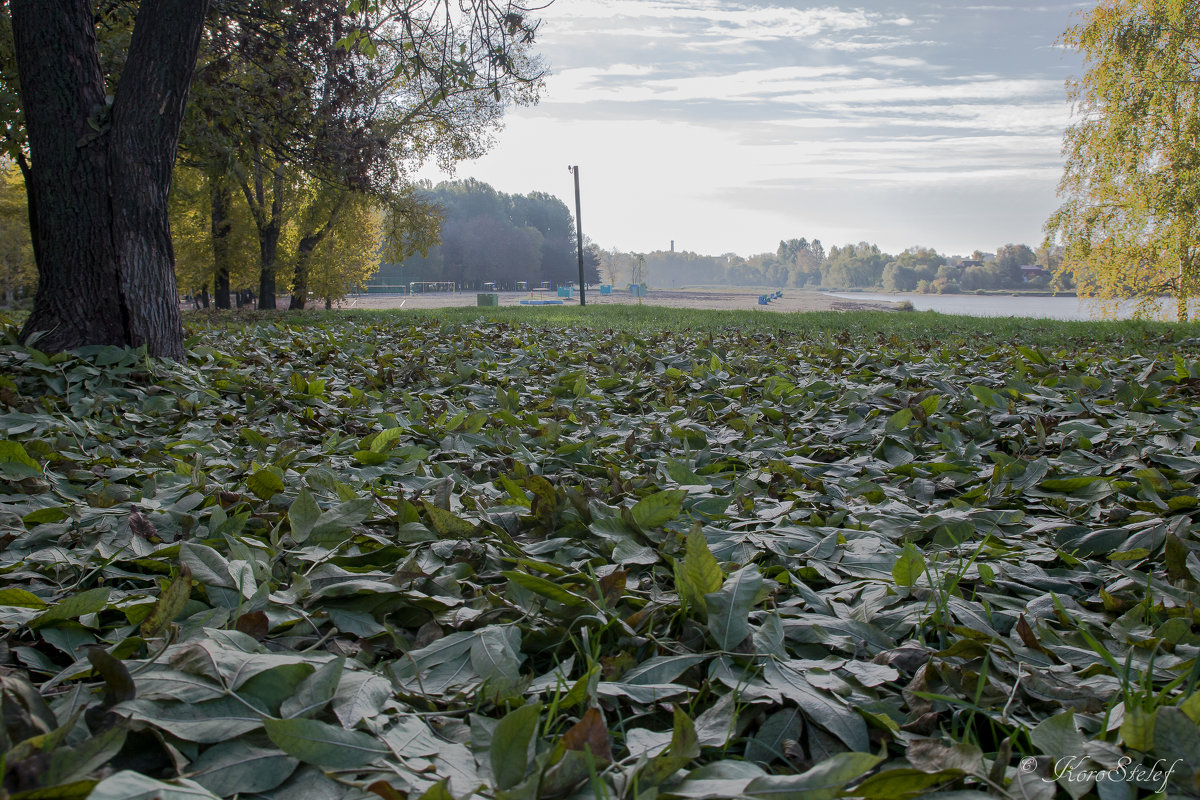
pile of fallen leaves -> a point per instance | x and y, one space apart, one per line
432 560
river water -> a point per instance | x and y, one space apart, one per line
1003 305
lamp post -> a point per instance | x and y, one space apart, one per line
579 236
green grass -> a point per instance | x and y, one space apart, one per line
853 328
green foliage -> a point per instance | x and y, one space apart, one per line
493 236
1131 188
801 263
191 235
18 272
403 554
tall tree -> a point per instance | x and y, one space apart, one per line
99 174
1131 187
323 212
18 272
346 253
353 96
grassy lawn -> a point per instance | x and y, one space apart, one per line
605 552
860 328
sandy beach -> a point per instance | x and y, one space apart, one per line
717 299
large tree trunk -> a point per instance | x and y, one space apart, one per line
268 249
304 253
99 179
221 197
268 219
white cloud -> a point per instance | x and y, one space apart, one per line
712 20
865 91
728 125
897 62
589 85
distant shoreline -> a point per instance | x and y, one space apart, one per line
794 300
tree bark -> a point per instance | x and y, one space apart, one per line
1181 292
99 177
221 198
269 224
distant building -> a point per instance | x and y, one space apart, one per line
970 262
1031 272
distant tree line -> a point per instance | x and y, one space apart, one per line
806 264
489 236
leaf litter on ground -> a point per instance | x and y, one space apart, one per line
438 559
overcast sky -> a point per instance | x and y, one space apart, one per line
727 126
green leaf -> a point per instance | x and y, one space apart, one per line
316 691
1177 741
439 791
1032 355
768 743
825 781
447 524
303 515
1137 729
332 525
509 753
495 653
238 766
207 566
171 602
20 598
71 764
820 706
681 473
899 421
1181 368
684 743
684 747
208 722
729 608
129 785
582 690
44 515
1191 707
545 498
659 508
324 745
988 397
902 783
909 568
266 482
1058 736
14 461
545 588
383 441
73 607
700 573
1071 484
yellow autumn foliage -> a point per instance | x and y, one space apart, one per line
1131 187
18 271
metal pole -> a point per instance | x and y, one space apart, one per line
579 237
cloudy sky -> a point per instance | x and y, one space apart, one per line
727 126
